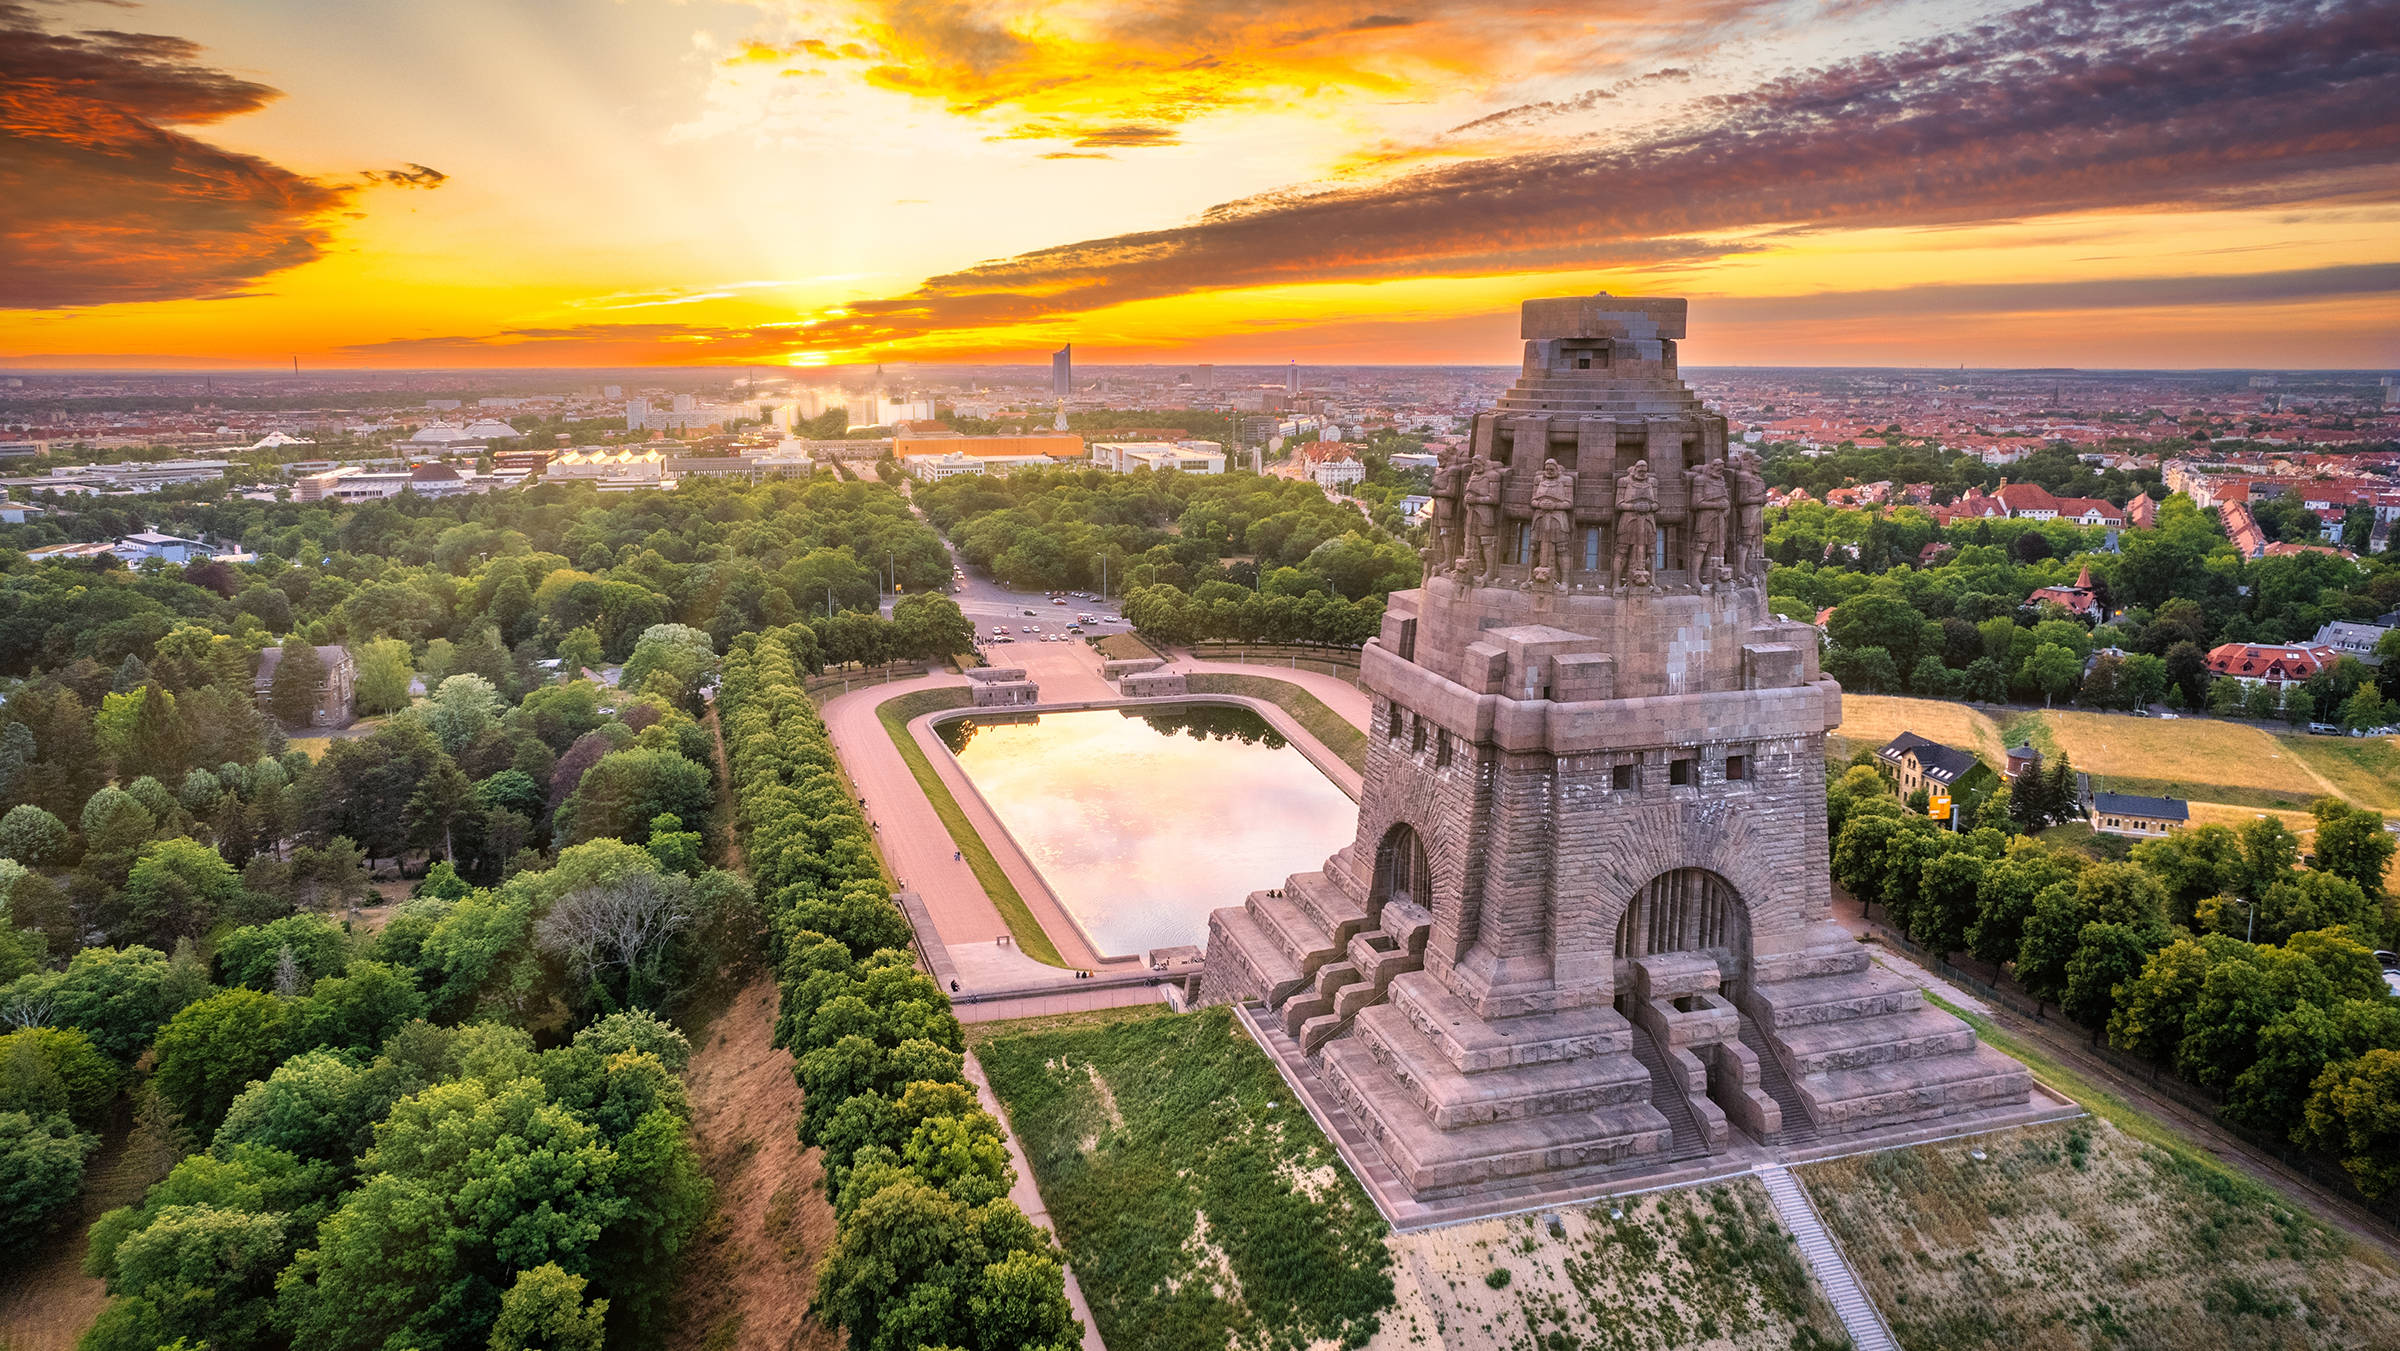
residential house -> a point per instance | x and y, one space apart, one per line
2082 599
1920 763
336 689
2280 666
2133 814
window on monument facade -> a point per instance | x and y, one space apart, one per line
1659 563
1683 773
1524 549
1402 872
1737 768
1441 749
1416 736
1393 728
1591 549
1621 778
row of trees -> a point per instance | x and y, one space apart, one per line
928 1250
2212 952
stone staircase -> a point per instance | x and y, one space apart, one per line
1797 1129
1361 979
1859 1047
1691 1142
1859 1316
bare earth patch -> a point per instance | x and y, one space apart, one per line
748 1276
2078 1236
1706 1267
46 1301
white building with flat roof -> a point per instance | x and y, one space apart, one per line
1187 457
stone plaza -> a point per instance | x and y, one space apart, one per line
1583 931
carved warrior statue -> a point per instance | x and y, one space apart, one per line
1443 545
1710 504
1483 517
1750 515
1636 526
1553 505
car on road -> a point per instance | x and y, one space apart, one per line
1058 600
1031 613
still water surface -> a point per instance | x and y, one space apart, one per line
1143 824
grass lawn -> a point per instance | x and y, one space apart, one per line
1870 720
2082 1235
2203 759
1695 1267
1331 729
2366 768
1124 647
1199 1204
895 715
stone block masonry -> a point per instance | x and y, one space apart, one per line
1593 840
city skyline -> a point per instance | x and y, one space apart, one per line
2153 185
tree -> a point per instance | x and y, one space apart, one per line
384 676
2354 1112
209 1271
545 1311
360 1008
620 940
41 1172
685 654
248 956
118 996
292 693
51 1069
32 836
2053 669
2107 958
619 796
676 849
212 1050
178 889
579 651
2351 843
443 796
930 626
463 708
2269 853
915 1267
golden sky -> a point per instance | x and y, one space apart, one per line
422 183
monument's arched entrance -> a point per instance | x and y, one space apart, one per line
1687 910
1683 944
1402 872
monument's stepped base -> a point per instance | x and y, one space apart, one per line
1583 931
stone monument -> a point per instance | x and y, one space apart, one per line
1583 929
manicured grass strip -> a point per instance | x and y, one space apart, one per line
1124 647
2366 768
1331 729
1199 1204
895 715
2102 1103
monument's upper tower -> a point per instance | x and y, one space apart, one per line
1589 879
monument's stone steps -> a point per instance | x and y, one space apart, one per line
1431 1160
1842 1100
1691 1142
1474 1044
1451 1098
1826 999
1296 935
1915 1034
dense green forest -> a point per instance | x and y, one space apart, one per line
441 1114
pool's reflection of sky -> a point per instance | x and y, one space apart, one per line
1143 825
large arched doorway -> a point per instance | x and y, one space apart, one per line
1402 872
1686 910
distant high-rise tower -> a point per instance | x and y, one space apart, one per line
1291 379
1062 371
1208 378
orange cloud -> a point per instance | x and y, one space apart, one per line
1072 73
106 202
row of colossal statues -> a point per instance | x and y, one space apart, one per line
1725 538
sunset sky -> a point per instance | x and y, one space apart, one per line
421 183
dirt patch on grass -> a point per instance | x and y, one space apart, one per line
46 1302
748 1276
2074 1236
1705 1267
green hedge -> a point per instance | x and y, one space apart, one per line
928 1250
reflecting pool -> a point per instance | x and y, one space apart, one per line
1143 823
